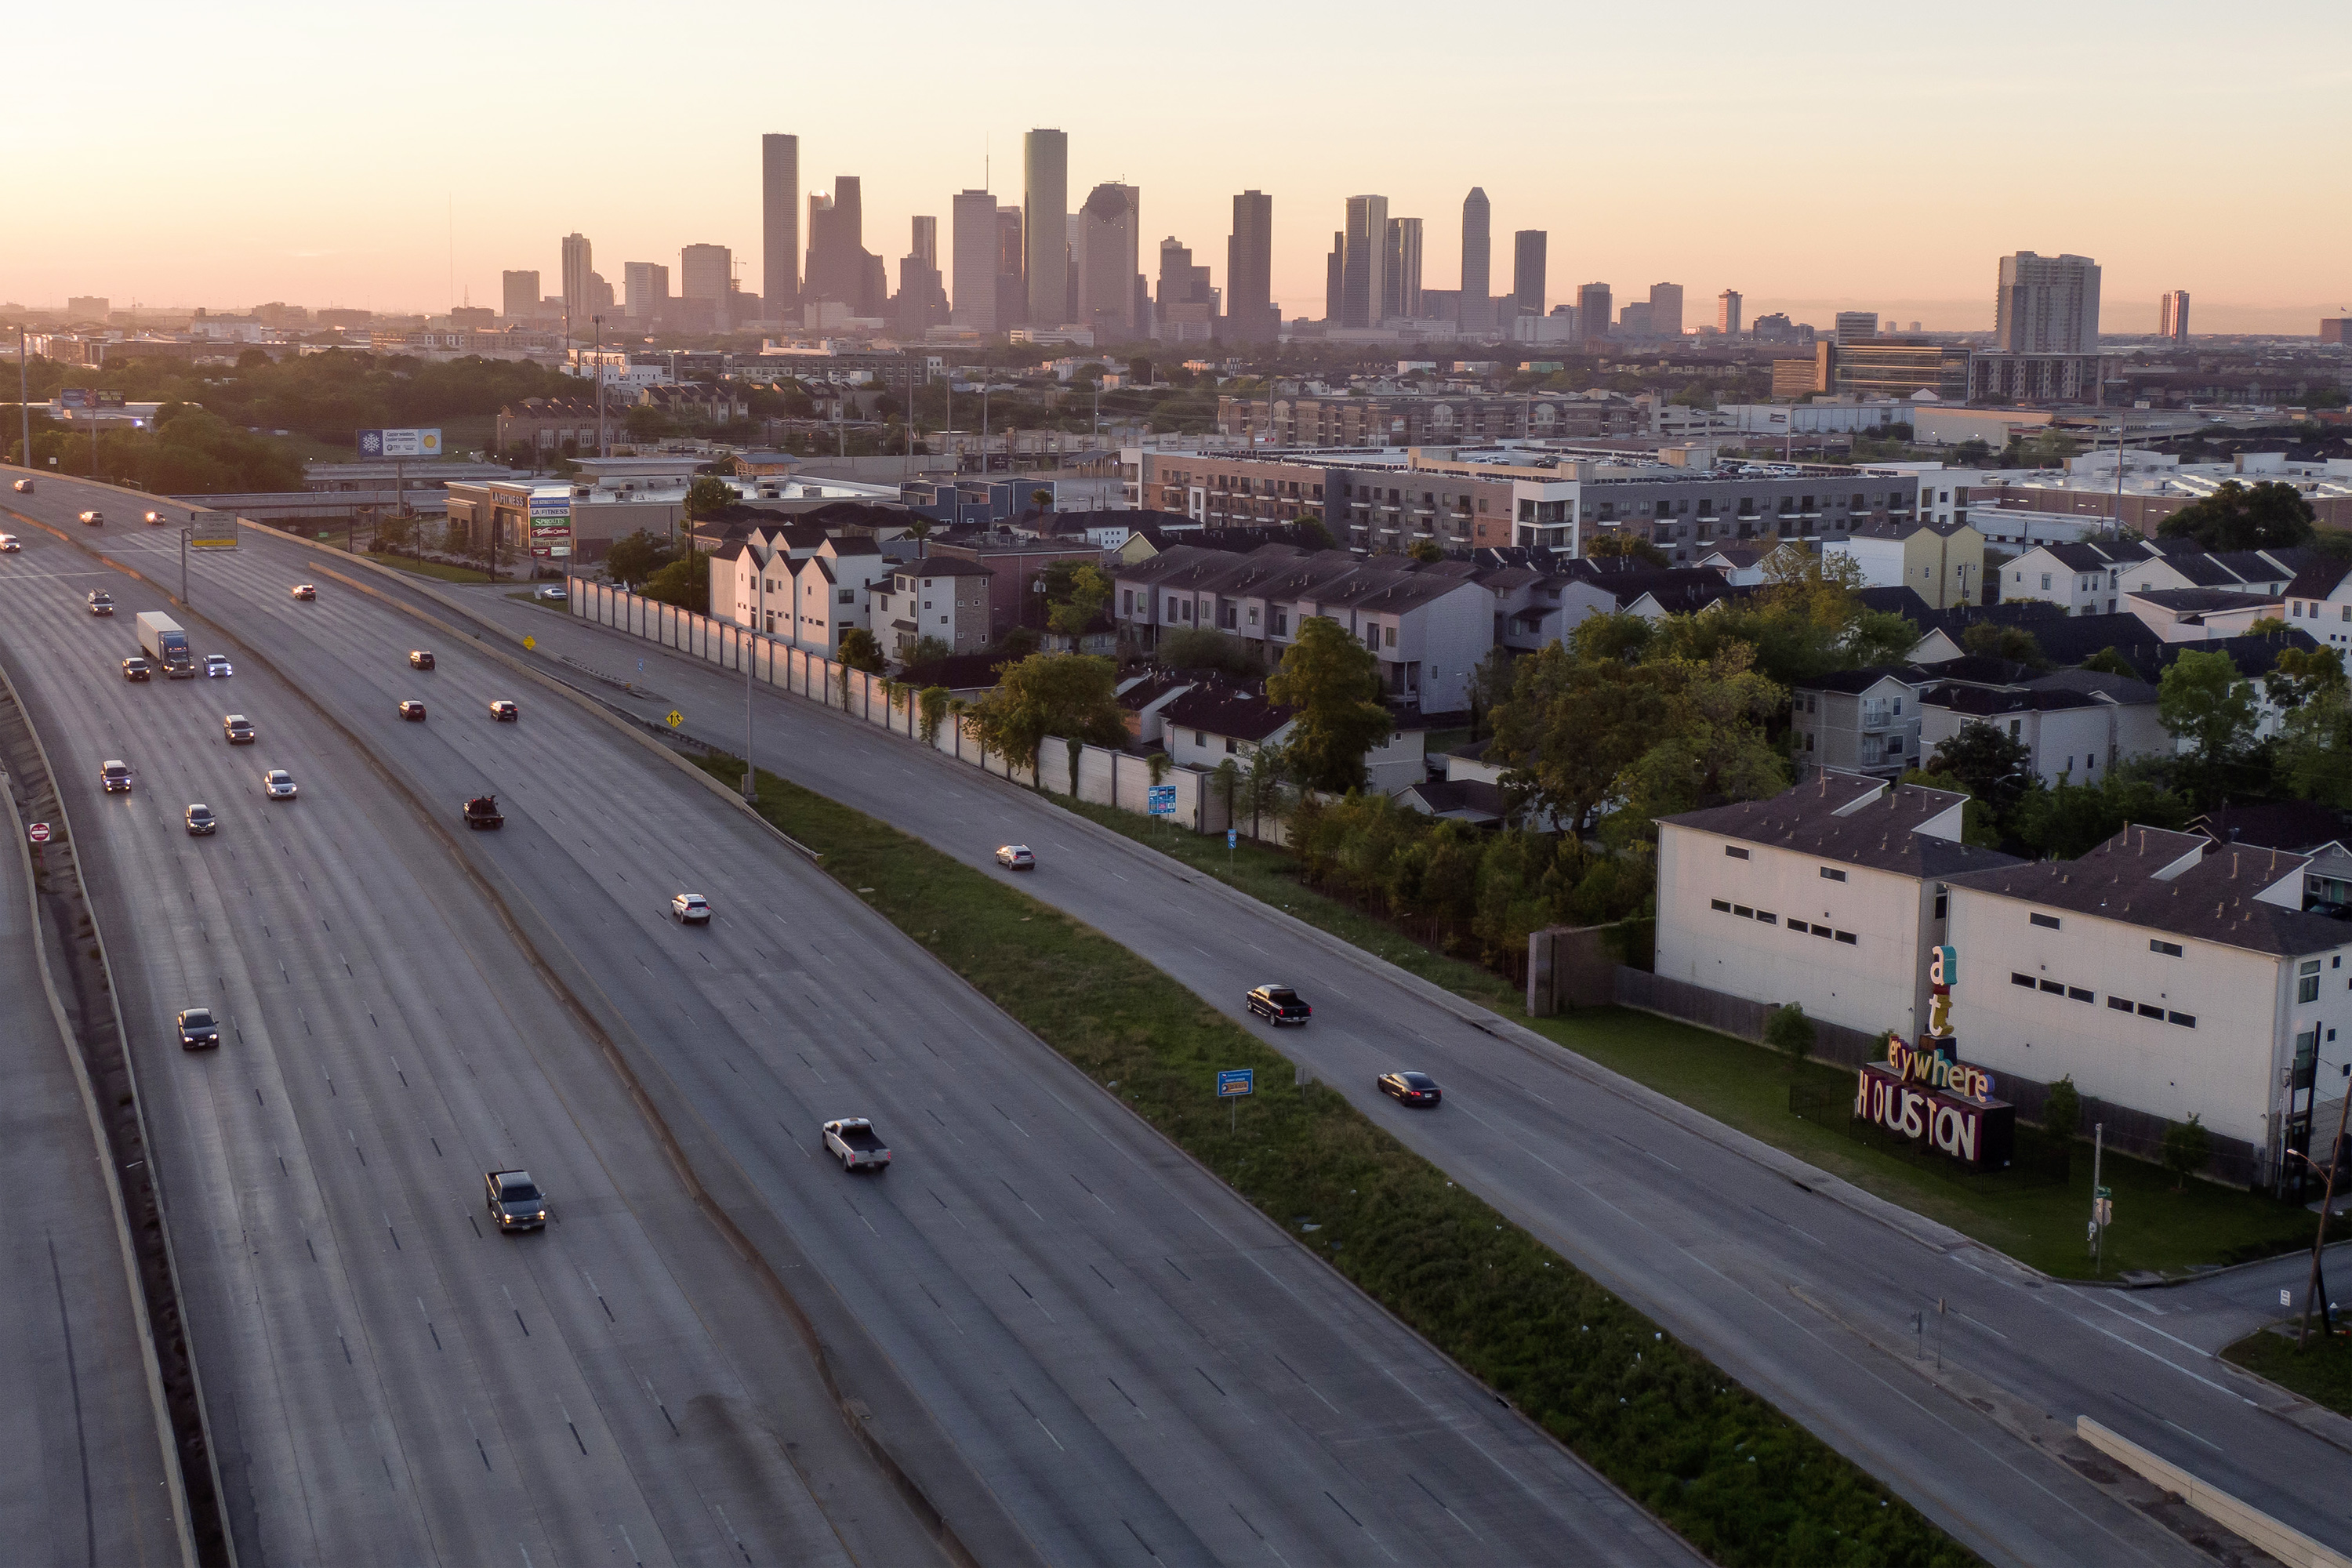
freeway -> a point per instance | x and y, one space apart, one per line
83 1455
1805 1289
1137 1365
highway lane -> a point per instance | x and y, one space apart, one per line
1139 1365
386 1383
82 1459
1809 1301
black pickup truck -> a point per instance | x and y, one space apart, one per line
482 811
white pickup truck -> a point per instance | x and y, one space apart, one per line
852 1140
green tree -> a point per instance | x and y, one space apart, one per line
685 582
2315 751
929 651
2204 701
1333 681
1994 767
707 496
1790 1032
2267 516
2061 1113
2109 661
860 651
1991 639
636 556
2069 819
932 704
2303 674
1205 647
1261 786
1073 696
1426 551
1619 544
2186 1146
1074 609
1311 530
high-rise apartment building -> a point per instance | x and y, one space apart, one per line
1856 326
1400 270
1105 254
1666 310
1249 270
1044 215
1476 313
521 295
1363 276
2172 316
972 232
1527 256
1726 311
645 289
1594 309
2046 305
779 226
1633 319
579 299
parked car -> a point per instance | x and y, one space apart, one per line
114 777
9 545
413 712
218 664
852 1142
202 823
306 591
1016 856
482 811
277 785
514 1199
236 729
137 668
1413 1088
1279 1004
94 519
504 712
154 520
100 602
197 1029
690 909
419 659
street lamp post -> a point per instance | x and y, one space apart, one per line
183 568
750 647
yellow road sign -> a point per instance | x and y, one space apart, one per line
530 642
676 719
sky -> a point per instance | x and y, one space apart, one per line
1820 157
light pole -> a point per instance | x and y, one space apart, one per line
24 409
750 646
598 363
183 568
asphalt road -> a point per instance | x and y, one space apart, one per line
1138 1366
1804 1289
81 1456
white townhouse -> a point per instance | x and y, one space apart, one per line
801 590
2319 601
2075 724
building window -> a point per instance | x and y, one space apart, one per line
1735 851
2119 1004
1743 912
1200 738
1847 937
1942 901
2047 922
2306 983
2076 994
2052 987
2147 1012
2024 980
2186 1020
2169 949
1832 874
1720 906
1764 919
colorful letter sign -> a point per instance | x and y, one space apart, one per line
1926 1093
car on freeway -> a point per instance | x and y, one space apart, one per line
852 1142
1016 856
1412 1088
505 712
154 519
137 668
236 729
413 712
690 909
277 785
515 1201
418 659
551 594
9 545
306 590
202 823
94 519
24 486
114 776
197 1029
218 665
482 811
100 602
1279 1004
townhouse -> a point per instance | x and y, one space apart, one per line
2075 724
938 596
1943 562
1863 722
2319 602
2091 577
805 591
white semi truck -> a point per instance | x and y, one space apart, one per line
166 643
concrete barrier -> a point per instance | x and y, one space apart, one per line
2288 1544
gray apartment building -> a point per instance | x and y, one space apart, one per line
1687 513
1857 721
1424 419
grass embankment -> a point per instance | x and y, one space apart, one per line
432 568
1746 1085
1734 1475
2320 1371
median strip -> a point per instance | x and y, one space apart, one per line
1732 1475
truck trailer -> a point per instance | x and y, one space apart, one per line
166 643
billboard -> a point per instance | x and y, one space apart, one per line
212 531
550 525
400 442
79 398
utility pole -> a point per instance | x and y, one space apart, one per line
183 590
600 386
2316 1291
2098 1199
759 619
24 409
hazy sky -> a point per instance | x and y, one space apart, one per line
1816 157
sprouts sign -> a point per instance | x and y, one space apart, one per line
1923 1091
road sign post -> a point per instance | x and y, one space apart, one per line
38 833
674 719
1234 1084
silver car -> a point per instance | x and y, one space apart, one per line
277 785
218 663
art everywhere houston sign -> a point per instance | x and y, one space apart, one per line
1924 1093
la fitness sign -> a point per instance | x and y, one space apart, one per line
1924 1092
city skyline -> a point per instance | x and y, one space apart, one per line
386 221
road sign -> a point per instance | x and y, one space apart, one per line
1233 836
38 833
674 719
528 643
1234 1081
2286 1298
1160 799
399 443
212 531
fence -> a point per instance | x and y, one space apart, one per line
1104 777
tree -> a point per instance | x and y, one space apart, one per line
1205 647
1073 696
2204 701
932 703
1620 545
1334 683
1790 1032
1269 771
707 496
1995 767
2302 674
685 582
2187 1145
1490 687
635 557
2109 661
1426 551
1042 498
1073 609
2314 752
2061 1113
2070 819
1991 639
393 533
2268 516
1312 531
928 652
860 651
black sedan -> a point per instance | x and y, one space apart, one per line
1412 1088
197 1029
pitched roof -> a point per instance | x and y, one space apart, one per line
1850 819
1236 711
2302 825
2203 601
1856 681
945 566
1471 800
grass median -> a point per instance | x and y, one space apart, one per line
1740 1480
2321 1371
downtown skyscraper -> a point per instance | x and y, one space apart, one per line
780 227
1045 224
1475 312
1250 315
1363 262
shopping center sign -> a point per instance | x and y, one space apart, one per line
1925 1092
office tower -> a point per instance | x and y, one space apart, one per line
645 289
2046 305
1249 270
1011 268
780 227
1186 310
1594 309
1106 256
925 242
705 271
1633 321
1400 271
600 295
1528 248
840 267
1364 261
922 301
1477 262
1726 311
1853 326
1045 213
972 233
1666 310
1335 277
521 290
579 302
2172 314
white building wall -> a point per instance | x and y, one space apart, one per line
1452 635
1881 559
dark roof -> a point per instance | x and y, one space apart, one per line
2321 580
852 544
2302 825
1983 701
2096 557
946 567
1901 601
2255 657
1845 817
1855 681
2203 601
1240 711
2213 899
1153 689
1474 800
856 513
